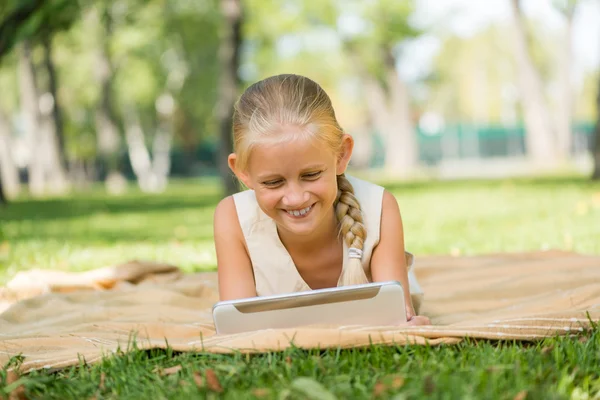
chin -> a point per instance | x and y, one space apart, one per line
298 226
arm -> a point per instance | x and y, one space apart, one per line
388 262
236 278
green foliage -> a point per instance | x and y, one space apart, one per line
156 47
8 84
34 20
386 25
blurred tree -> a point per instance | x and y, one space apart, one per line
596 139
32 23
15 17
370 36
472 79
229 84
540 138
45 171
52 86
9 174
564 114
192 67
166 84
376 51
108 135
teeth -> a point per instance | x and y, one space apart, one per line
298 213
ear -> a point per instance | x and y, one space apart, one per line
241 175
345 154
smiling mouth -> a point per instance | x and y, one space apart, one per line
299 213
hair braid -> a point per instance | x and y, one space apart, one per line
352 229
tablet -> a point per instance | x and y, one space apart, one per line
379 303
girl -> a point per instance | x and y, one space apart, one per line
303 224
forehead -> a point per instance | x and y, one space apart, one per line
282 157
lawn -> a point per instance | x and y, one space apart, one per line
92 230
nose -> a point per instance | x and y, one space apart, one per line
295 196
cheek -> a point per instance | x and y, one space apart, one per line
325 189
268 198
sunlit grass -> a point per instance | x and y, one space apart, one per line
556 368
93 230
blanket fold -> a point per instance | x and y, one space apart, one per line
55 319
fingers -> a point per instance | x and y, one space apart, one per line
419 320
410 313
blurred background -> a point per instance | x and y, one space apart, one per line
131 91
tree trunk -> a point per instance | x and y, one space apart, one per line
389 110
401 149
151 170
540 140
31 115
57 118
107 131
229 49
565 104
9 173
596 140
45 172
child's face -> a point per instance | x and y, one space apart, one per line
296 182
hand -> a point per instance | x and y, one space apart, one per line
419 320
413 319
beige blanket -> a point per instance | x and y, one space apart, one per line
60 318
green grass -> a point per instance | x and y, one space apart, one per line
557 368
468 217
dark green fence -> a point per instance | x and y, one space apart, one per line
462 141
459 141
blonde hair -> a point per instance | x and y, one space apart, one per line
295 100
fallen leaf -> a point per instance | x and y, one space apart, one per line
102 379
199 380
428 385
212 381
521 395
397 382
171 370
379 389
18 393
393 382
312 389
11 377
261 392
547 349
288 360
583 339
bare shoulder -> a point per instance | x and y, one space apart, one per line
391 228
224 207
225 218
389 207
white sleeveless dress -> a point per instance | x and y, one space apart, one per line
274 269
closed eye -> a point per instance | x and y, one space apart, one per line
312 175
273 183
